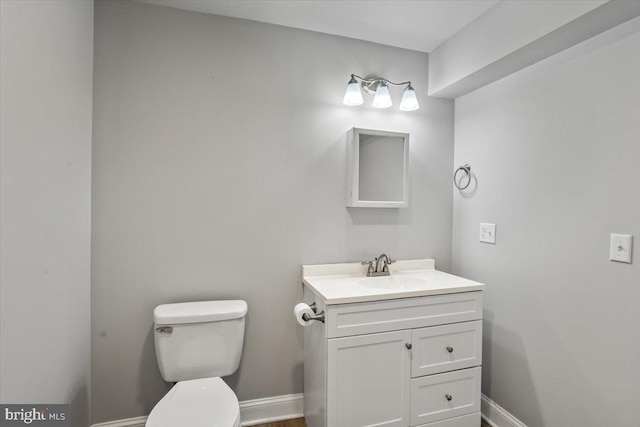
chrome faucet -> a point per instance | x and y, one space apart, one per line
376 271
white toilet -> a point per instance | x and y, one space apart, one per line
196 344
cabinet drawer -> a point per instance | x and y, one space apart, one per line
408 313
441 396
446 348
471 420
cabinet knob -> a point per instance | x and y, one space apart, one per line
448 397
450 349
408 345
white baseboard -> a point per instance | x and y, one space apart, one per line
270 409
496 416
277 408
129 422
252 412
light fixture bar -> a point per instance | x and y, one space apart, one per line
378 88
379 79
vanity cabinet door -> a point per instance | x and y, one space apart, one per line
369 380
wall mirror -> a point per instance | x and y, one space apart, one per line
377 169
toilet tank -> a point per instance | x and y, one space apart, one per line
199 339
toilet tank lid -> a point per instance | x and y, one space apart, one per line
199 312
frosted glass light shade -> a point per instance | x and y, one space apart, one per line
409 100
352 95
382 98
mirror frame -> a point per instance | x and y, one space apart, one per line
353 170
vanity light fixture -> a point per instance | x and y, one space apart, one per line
353 96
382 98
378 87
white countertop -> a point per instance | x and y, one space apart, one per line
348 283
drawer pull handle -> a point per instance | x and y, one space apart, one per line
450 349
448 397
408 345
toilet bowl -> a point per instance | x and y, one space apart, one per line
206 402
196 344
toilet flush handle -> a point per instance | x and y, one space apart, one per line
164 329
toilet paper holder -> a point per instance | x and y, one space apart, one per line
318 316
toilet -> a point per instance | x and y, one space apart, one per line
196 344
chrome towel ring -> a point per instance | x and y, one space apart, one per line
467 170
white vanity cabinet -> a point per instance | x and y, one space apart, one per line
397 362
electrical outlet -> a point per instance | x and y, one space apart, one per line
488 233
621 247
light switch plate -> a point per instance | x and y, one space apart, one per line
621 248
488 233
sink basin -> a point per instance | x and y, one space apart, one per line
347 283
391 282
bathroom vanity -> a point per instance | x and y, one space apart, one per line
400 350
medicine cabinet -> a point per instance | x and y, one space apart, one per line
377 169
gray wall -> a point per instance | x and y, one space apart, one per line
45 200
555 149
219 168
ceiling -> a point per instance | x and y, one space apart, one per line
411 24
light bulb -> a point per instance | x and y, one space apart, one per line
409 100
352 95
382 98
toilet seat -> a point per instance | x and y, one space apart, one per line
205 402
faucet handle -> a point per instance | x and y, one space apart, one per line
370 270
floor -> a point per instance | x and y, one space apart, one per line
299 422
